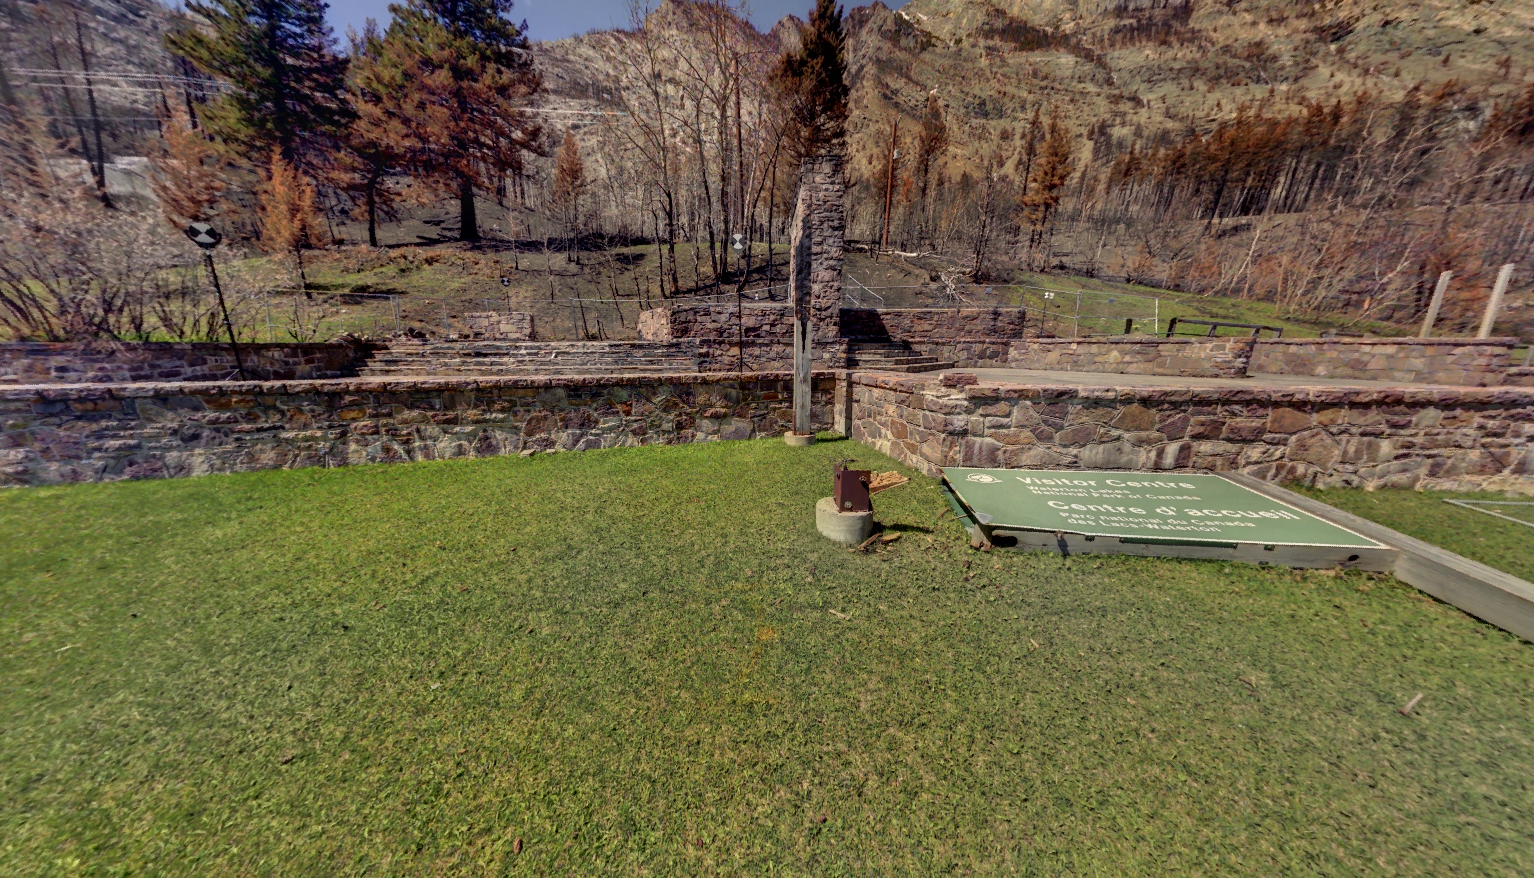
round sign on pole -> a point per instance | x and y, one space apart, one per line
505 281
204 235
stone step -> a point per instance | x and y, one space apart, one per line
933 366
378 362
909 360
470 372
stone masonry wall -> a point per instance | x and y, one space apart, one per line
1425 438
1193 357
1520 376
117 362
83 433
676 322
968 353
767 356
1455 361
500 325
932 324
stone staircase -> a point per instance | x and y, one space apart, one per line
891 356
489 358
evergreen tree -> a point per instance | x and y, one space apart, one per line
450 85
369 148
287 81
813 84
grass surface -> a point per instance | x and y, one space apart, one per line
646 662
1496 543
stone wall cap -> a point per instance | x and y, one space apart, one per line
975 308
1410 394
1132 339
145 389
1501 341
211 346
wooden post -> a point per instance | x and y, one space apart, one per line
1494 304
1433 306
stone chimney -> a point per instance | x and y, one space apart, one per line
817 245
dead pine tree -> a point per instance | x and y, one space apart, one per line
1051 171
289 221
184 173
565 196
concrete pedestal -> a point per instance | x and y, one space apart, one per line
799 440
850 528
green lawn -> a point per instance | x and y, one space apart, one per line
646 662
1496 543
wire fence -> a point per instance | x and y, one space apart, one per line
1077 313
304 315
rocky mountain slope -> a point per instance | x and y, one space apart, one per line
1136 69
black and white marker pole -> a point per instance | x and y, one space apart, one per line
207 237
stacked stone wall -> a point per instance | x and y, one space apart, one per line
1192 357
118 362
79 433
1453 361
1520 376
933 324
500 325
954 335
968 353
495 358
723 355
1424 438
717 322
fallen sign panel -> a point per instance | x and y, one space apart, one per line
1185 516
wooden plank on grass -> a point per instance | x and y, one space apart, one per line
1489 594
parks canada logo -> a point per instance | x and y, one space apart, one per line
983 478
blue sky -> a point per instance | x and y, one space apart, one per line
555 19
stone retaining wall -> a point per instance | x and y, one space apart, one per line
85 433
497 358
767 355
1455 361
118 362
968 353
933 324
1191 357
716 322
500 325
1425 438
775 323
1520 376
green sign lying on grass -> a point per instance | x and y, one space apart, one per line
1140 507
